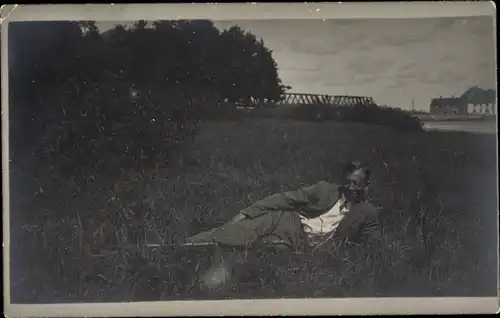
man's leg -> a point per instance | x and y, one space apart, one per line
286 233
202 237
236 234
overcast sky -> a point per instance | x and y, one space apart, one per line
393 61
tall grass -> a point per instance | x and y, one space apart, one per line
74 241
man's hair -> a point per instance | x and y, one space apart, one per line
355 166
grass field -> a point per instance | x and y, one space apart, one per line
436 192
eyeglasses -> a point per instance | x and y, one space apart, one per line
354 185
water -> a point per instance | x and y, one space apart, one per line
475 126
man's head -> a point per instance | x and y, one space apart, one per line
355 181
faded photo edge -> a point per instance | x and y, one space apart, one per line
226 12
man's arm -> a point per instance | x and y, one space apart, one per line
286 201
361 224
371 230
349 228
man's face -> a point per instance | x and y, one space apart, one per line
355 185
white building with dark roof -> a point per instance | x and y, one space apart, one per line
475 100
480 101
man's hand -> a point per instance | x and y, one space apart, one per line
238 218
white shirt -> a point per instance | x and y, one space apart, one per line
325 223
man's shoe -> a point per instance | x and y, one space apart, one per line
218 277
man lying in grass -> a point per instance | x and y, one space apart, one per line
310 216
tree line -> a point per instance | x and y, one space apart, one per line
76 92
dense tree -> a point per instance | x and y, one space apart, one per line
253 70
75 83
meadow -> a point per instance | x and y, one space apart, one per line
436 192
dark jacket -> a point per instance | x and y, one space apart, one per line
360 224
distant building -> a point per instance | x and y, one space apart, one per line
480 101
448 105
474 101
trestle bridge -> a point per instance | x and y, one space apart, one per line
314 99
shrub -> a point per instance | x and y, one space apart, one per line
104 130
369 114
382 116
